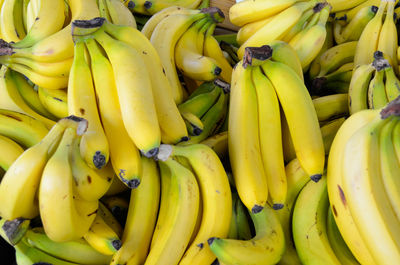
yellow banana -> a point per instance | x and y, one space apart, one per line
337 56
246 31
392 84
10 152
358 90
329 131
376 91
331 106
120 15
339 5
54 101
154 6
7 23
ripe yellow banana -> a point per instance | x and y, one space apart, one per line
54 101
376 91
218 143
82 103
329 131
8 25
337 56
368 42
358 90
124 154
332 106
133 84
246 31
245 12
10 152
304 129
270 137
154 6
64 216
243 139
366 195
120 14
141 220
172 127
269 236
392 84
339 5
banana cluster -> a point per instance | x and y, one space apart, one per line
151 7
183 39
362 184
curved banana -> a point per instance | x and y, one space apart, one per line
82 103
358 89
376 91
54 101
269 236
118 207
277 27
246 31
134 89
270 137
392 84
351 13
8 26
339 5
164 38
337 56
337 197
102 237
140 221
309 225
243 140
242 221
368 41
365 193
124 154
120 15
329 107
218 143
343 74
329 131
89 184
11 99
10 151
154 6
22 128
49 20
194 125
172 126
304 129
308 19
64 216
76 251
21 181
245 12
216 200
110 219
183 205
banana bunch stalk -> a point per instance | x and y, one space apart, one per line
362 175
183 39
373 85
261 83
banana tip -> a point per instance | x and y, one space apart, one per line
316 177
116 244
151 153
132 184
147 4
277 206
131 5
257 209
211 240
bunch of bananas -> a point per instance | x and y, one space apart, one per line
183 39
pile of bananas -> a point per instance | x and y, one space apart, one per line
132 133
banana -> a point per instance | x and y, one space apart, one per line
352 31
54 101
309 225
76 251
392 84
58 46
218 143
337 243
102 237
10 152
270 136
141 220
194 125
26 255
302 23
117 186
136 6
243 226
315 35
134 89
154 6
103 8
120 15
351 13
233 229
246 31
277 27
11 98
49 20
183 192
30 95
338 199
18 197
13 231
164 39
342 74
109 218
124 154
82 102
329 131
337 56
89 184
118 207
245 12
172 126
306 137
7 23
155 19
390 165
214 51
64 216
23 129
269 236
366 195
330 107
243 140
368 41
358 89
387 42
216 199
339 5
376 91
189 59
